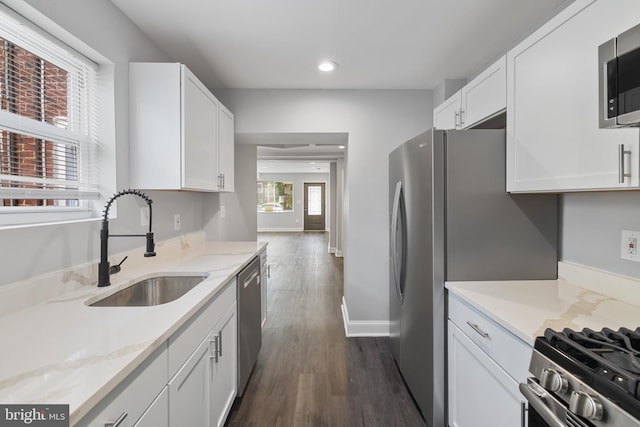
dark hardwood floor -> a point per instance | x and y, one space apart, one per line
308 373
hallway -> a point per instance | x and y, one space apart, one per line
308 373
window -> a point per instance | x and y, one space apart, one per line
48 126
275 196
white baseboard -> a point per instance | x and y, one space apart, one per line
363 328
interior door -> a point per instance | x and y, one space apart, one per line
314 209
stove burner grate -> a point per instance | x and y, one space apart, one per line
600 356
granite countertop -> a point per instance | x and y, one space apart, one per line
63 351
527 308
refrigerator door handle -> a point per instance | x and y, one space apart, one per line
395 217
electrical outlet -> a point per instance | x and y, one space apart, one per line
629 245
144 216
176 222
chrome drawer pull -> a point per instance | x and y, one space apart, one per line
216 349
117 422
476 328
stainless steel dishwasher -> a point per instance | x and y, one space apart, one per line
249 324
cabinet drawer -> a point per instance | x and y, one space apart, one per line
190 335
133 395
509 352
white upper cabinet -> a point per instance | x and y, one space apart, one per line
480 99
225 149
553 139
176 129
485 95
447 115
200 134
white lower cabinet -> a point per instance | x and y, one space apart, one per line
224 371
189 390
264 277
481 394
157 415
131 399
203 389
486 363
191 380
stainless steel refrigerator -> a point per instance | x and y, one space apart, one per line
451 219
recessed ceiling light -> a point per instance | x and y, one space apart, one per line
327 66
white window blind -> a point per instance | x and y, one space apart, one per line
48 122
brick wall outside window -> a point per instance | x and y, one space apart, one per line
36 89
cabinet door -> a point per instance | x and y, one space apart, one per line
226 149
553 139
264 276
485 95
481 394
157 415
447 115
200 135
189 390
133 395
224 372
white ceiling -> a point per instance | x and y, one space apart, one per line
291 166
378 44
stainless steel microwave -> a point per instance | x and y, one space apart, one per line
619 76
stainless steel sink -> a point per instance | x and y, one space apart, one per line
151 291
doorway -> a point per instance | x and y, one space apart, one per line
314 206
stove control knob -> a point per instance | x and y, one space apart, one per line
553 381
586 406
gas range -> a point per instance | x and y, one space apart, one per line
585 378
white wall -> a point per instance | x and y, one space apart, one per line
240 219
35 250
591 224
377 122
292 221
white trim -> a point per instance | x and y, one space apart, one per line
279 230
332 250
105 87
339 254
363 328
613 285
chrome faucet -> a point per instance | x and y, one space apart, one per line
104 270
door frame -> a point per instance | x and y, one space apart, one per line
325 201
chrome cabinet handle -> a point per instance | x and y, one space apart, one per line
268 271
117 422
220 343
456 120
523 414
476 328
543 410
461 117
622 174
214 341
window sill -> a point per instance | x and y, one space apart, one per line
28 219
